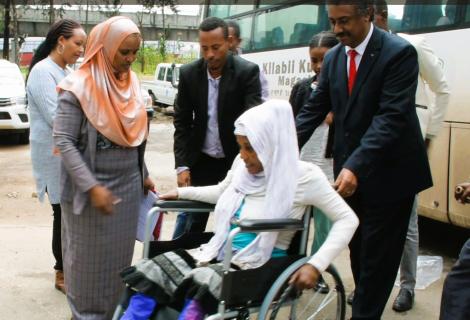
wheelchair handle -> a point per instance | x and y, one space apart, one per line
170 205
185 205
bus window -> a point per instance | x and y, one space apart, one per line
276 28
467 13
226 10
245 31
219 10
410 17
272 2
450 10
240 8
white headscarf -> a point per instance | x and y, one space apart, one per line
270 130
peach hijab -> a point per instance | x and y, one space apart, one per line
114 106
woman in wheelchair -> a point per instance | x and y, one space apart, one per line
267 181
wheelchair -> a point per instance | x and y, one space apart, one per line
262 293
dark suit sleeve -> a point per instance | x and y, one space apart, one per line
396 107
183 121
295 96
252 88
312 114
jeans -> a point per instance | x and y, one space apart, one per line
194 222
410 252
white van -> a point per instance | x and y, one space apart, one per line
14 116
164 86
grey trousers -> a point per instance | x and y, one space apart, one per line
410 252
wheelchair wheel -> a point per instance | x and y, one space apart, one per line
285 302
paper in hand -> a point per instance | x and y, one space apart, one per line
146 204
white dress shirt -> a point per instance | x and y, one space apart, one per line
360 49
212 145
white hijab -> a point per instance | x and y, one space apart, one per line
271 132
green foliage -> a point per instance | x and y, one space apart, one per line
160 3
150 57
112 7
24 71
162 47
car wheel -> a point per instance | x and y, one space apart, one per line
23 138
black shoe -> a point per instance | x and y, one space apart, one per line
321 286
404 301
350 298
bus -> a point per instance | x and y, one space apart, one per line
276 35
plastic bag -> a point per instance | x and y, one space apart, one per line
429 270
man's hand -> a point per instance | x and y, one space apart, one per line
148 185
102 199
306 277
184 179
462 192
346 183
170 195
329 118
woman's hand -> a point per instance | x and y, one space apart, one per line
102 199
148 185
170 195
306 277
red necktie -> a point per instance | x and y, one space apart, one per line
352 69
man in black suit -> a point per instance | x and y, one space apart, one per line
212 93
369 82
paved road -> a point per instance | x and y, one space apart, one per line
26 277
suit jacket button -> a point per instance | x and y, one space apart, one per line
346 134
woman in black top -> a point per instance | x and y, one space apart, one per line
319 148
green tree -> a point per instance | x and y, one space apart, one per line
171 4
112 7
6 31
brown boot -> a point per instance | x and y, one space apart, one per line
59 281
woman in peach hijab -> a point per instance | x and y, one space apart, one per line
100 130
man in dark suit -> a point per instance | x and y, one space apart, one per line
369 82
212 93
